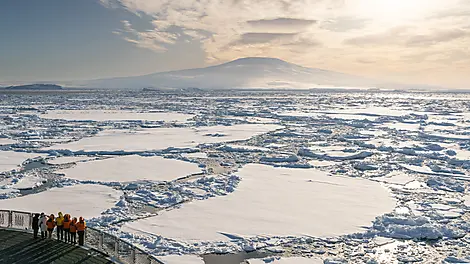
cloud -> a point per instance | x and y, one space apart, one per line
407 36
257 38
437 37
365 37
344 24
281 24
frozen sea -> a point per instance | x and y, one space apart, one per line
249 176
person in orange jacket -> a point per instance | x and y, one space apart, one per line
50 225
66 225
73 231
81 226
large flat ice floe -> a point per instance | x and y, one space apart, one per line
10 160
276 202
293 260
131 168
181 259
114 115
163 138
7 141
80 200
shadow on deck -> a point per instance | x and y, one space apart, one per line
20 247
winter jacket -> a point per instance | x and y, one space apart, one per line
73 227
35 224
50 223
42 223
67 223
81 226
60 219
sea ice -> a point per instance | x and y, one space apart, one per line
131 168
87 200
395 177
7 141
10 160
67 159
181 259
196 155
292 260
163 138
28 182
275 202
114 115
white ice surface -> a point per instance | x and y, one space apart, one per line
87 200
466 200
196 155
293 260
131 168
277 202
242 148
6 141
181 259
163 138
10 160
396 178
114 115
28 182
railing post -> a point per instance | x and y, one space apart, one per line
100 240
116 248
10 219
133 256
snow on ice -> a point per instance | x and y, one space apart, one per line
164 138
115 115
10 160
131 168
86 200
276 202
181 259
366 147
292 260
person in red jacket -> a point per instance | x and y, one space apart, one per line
81 226
66 225
50 225
73 231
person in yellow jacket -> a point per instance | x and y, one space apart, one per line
67 222
73 231
81 226
50 223
60 226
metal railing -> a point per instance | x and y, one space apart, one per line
108 244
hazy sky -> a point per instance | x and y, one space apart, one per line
417 41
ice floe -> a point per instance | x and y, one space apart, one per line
131 168
164 138
87 200
115 115
10 160
276 202
292 260
181 259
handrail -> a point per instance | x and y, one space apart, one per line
119 250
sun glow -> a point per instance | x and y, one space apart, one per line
395 11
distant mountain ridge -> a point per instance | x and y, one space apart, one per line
37 86
244 73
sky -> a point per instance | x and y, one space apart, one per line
408 41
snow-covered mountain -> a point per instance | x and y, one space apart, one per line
241 73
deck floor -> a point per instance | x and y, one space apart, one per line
20 247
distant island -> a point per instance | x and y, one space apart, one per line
35 87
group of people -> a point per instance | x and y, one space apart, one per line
66 226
